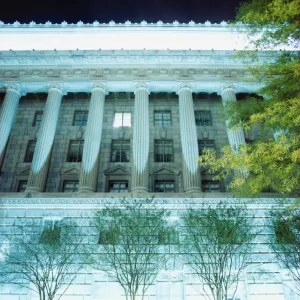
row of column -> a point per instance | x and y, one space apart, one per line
90 160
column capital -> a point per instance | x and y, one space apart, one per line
19 88
184 86
101 85
58 86
227 86
142 85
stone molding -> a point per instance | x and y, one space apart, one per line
17 88
58 86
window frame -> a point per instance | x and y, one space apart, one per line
162 112
119 188
122 119
36 122
164 181
205 141
80 150
85 114
74 190
20 182
123 153
200 121
210 182
29 152
163 156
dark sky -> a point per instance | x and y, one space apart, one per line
88 11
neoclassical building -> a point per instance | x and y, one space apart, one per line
95 111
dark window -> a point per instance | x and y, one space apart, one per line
120 150
80 118
122 119
287 230
205 144
203 118
210 186
22 186
70 186
75 151
163 151
51 232
37 118
118 186
163 186
162 118
168 238
106 238
30 151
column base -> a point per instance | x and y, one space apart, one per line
33 189
85 189
193 190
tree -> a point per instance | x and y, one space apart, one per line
133 244
43 257
285 241
270 163
217 247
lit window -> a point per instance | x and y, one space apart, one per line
203 118
210 186
120 150
70 186
205 144
163 151
37 118
22 186
30 151
75 151
161 186
162 118
118 186
122 119
80 118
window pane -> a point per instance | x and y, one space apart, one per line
203 118
37 118
163 151
210 186
205 144
80 118
127 119
164 186
75 151
70 186
30 151
120 151
118 186
162 118
122 119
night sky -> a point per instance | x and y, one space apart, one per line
104 11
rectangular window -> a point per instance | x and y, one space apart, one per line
51 232
122 119
162 186
22 185
30 151
70 186
120 150
118 186
80 118
75 151
37 118
163 151
162 118
210 186
205 144
106 238
202 118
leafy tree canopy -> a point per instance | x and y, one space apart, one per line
272 161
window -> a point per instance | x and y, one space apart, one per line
122 119
51 232
163 151
80 118
120 150
75 151
287 230
161 186
205 144
203 118
22 185
168 238
107 238
30 151
37 118
210 186
118 186
70 186
162 118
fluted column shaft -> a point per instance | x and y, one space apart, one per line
92 141
236 135
189 143
8 113
42 153
140 173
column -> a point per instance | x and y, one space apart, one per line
189 143
8 112
236 135
92 141
140 170
42 153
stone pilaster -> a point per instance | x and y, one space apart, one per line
189 143
8 112
42 153
140 170
236 135
92 141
